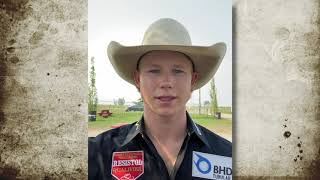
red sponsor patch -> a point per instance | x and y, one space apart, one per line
127 165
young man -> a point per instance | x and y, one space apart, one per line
165 143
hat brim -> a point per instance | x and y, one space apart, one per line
206 59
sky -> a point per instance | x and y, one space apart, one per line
208 22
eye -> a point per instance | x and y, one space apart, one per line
154 71
178 71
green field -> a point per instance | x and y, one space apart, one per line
207 109
120 116
106 123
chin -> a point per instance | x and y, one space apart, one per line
171 110
168 112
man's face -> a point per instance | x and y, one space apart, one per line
165 80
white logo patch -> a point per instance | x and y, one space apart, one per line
211 166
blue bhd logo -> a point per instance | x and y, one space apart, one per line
204 166
203 169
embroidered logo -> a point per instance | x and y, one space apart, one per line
127 165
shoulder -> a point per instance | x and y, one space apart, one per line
112 137
220 145
101 147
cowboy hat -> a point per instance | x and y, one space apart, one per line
167 34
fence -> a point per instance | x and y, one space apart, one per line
205 110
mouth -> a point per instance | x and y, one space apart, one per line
166 98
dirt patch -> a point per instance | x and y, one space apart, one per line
92 132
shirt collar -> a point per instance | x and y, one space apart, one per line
194 128
138 128
133 131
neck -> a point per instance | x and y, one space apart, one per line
164 128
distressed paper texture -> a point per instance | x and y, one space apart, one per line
276 89
43 77
43 82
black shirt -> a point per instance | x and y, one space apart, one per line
132 137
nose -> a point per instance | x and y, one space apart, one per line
166 85
166 81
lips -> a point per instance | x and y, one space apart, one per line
165 98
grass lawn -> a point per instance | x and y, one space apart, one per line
123 117
223 125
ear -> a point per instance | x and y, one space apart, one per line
194 79
136 77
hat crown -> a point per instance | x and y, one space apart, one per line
166 32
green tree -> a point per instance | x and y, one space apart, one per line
92 94
115 102
121 101
206 103
213 96
139 102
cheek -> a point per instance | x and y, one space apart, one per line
185 82
184 87
146 85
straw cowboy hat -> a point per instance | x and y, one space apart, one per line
167 34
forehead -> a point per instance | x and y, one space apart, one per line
165 58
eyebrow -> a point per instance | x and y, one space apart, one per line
193 66
178 66
174 66
153 65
